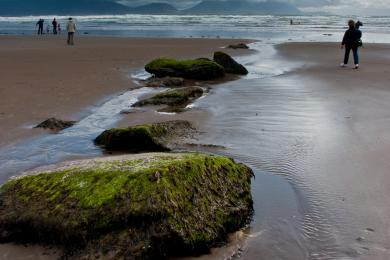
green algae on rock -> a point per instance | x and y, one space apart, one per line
145 206
188 69
143 138
179 97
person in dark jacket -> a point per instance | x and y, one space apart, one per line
351 41
40 26
54 23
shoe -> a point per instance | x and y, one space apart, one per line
356 66
342 65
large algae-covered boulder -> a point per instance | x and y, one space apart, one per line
143 138
145 206
179 97
189 69
229 64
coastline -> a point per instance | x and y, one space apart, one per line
337 121
43 78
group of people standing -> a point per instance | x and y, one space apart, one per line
71 28
56 27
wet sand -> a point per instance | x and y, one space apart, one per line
349 157
317 139
42 77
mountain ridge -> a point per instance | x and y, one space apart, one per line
101 7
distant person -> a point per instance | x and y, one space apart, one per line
40 26
59 28
54 23
48 29
358 25
351 41
71 28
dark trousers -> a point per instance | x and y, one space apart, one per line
70 38
54 30
355 54
40 30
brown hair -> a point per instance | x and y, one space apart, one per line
351 23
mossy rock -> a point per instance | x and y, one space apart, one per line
179 97
55 124
188 69
164 82
229 64
143 138
145 206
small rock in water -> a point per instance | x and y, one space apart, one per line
238 46
179 97
164 82
55 125
360 239
370 229
127 111
229 64
158 137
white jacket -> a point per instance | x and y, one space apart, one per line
71 27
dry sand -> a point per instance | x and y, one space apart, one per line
43 77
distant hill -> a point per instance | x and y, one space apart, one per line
90 7
242 7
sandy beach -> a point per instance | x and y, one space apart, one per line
349 158
43 78
317 136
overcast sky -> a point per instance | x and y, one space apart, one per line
361 7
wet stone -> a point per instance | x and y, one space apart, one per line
55 125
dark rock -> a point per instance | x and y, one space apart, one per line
229 64
238 46
55 125
188 69
204 59
146 206
179 97
164 82
143 138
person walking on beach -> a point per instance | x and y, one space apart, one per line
71 28
40 26
47 29
59 28
351 41
54 23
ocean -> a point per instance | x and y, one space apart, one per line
263 27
